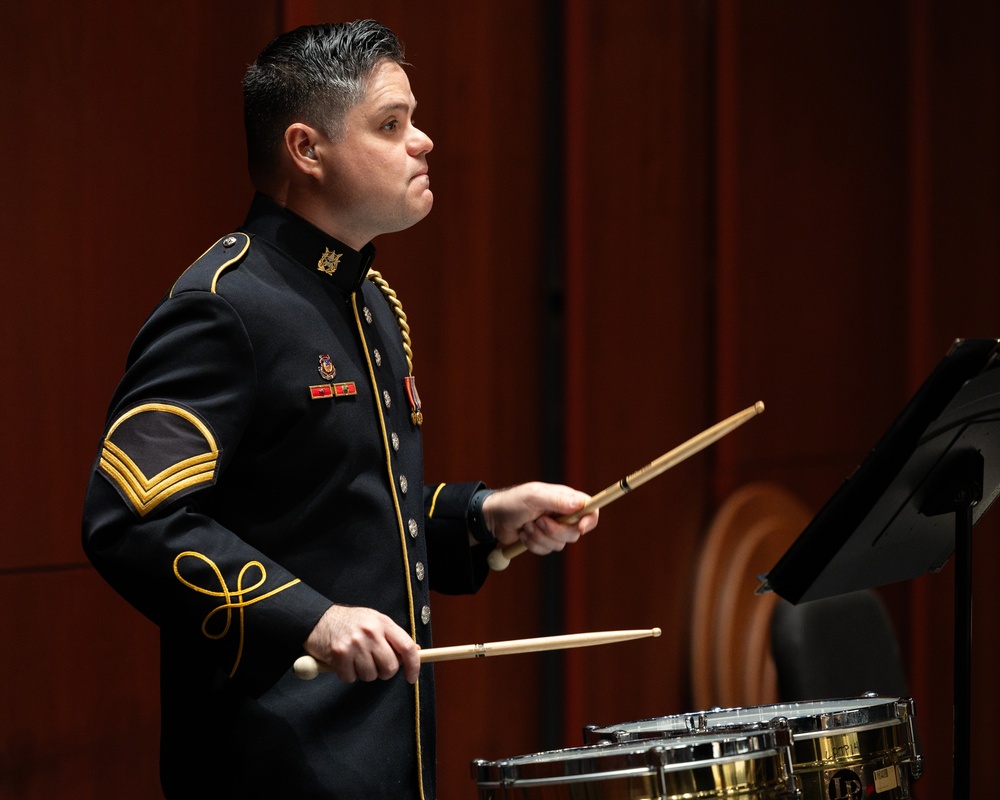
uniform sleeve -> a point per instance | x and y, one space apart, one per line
173 427
455 567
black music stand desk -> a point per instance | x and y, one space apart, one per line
910 505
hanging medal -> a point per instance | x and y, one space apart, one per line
416 414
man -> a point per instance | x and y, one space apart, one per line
258 490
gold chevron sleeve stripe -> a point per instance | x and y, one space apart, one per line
146 493
169 475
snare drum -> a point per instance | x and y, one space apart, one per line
849 749
698 766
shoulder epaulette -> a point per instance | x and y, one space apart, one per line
203 275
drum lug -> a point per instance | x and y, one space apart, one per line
696 723
782 732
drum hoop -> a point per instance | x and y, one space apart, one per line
651 771
846 730
635 772
627 736
865 714
672 753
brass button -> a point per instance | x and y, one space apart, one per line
425 614
419 569
414 528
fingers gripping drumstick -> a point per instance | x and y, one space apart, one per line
500 558
307 667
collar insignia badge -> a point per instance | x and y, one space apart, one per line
326 369
329 261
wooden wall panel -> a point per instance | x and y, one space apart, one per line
117 174
964 127
125 160
79 690
639 382
813 309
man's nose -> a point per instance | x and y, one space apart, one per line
420 142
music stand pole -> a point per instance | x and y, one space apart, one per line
959 492
963 653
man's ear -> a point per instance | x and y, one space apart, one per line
301 144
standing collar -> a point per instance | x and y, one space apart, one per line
306 244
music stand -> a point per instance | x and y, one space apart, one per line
910 505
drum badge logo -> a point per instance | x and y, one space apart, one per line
329 261
845 784
326 369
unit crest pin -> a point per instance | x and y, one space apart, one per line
326 369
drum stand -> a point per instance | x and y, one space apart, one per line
958 491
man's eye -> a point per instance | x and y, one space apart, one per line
390 126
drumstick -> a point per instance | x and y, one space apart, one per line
500 558
307 667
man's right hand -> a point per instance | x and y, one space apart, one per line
363 644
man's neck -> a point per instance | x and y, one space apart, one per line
313 211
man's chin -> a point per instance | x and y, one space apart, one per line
417 213
424 206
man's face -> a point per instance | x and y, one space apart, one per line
377 181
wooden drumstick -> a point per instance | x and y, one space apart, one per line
500 558
307 667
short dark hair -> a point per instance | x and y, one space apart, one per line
313 74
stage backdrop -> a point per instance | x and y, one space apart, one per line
648 215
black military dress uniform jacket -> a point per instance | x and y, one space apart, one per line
262 461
